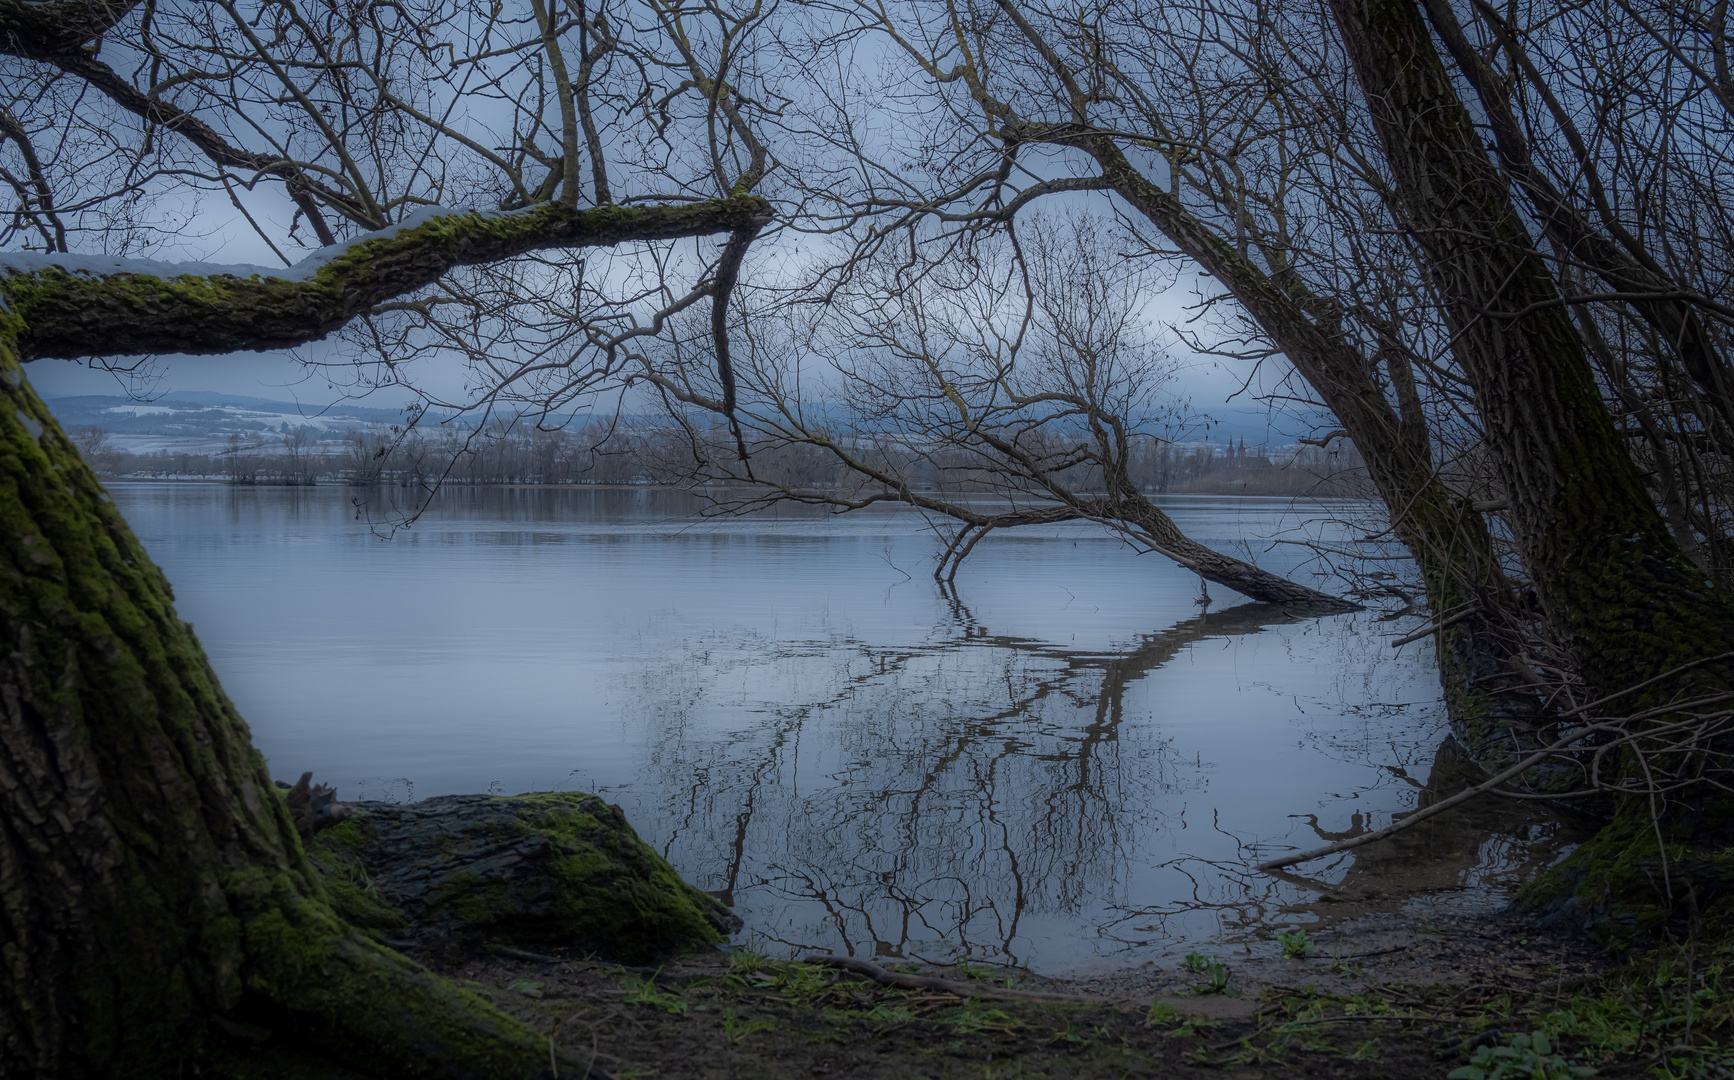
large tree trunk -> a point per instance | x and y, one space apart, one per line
154 899
1619 591
155 903
1625 266
1627 603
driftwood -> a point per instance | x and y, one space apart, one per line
1437 808
950 986
313 806
1429 631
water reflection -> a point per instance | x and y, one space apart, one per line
968 796
1059 762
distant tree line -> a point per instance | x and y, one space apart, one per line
662 455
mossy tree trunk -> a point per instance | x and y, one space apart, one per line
155 902
1628 604
153 892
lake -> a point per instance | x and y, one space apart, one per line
1057 762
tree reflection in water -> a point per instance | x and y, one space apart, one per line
984 795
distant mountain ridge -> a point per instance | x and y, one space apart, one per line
198 412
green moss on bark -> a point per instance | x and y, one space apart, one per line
53 312
156 898
1633 887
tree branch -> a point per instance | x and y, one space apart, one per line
61 306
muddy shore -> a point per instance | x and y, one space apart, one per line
1383 996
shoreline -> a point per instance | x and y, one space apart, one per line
1394 997
217 481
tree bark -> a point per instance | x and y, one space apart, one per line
1626 267
153 892
1627 603
55 312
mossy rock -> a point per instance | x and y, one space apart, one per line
531 871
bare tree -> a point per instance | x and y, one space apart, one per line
1015 385
95 447
1214 152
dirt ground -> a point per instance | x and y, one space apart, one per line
1380 997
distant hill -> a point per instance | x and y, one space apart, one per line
200 422
195 421
187 412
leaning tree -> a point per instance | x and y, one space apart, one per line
157 914
1520 318
1020 371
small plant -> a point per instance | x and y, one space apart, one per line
973 1021
1529 1057
1161 1012
891 1014
528 987
646 992
736 1031
1067 1035
1366 1005
1304 1004
1295 945
747 962
1215 972
1340 963
802 981
1192 1027
1367 1051
1501 1007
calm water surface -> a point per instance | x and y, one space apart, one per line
1058 762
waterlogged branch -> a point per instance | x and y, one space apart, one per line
66 306
1438 808
1675 728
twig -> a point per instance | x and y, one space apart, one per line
520 954
951 986
1428 631
1639 686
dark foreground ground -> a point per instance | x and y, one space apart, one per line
1391 998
